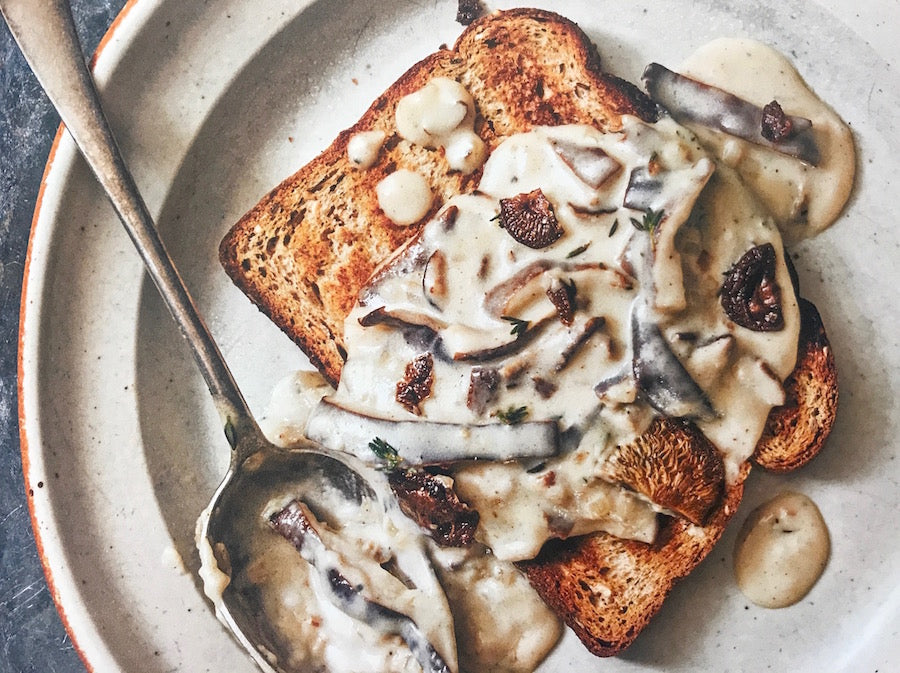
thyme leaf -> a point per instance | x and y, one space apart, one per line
577 251
650 221
613 228
518 325
386 453
513 415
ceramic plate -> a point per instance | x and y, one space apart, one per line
215 103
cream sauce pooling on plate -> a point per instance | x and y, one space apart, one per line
804 199
781 551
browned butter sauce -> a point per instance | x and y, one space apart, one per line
781 550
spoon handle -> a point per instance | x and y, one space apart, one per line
45 32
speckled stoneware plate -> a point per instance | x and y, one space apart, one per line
216 102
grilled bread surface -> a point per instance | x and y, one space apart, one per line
304 252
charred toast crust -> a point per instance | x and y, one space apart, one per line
306 249
796 431
607 589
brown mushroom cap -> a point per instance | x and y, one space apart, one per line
674 465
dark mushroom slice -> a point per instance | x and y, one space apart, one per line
296 524
674 465
431 502
690 101
530 220
417 382
750 294
423 442
562 295
661 378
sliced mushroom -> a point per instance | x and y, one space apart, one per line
660 376
430 501
688 100
750 294
418 329
591 165
411 257
298 525
422 442
530 220
502 299
434 280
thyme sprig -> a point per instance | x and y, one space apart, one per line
386 453
519 326
650 221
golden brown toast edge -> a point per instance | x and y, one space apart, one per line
306 249
796 431
607 589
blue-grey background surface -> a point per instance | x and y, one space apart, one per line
32 637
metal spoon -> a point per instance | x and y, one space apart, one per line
45 32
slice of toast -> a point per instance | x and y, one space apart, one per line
796 431
308 248
607 589
305 250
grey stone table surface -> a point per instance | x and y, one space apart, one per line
32 637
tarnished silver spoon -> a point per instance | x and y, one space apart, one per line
45 32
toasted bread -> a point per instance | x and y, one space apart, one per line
796 430
307 249
607 589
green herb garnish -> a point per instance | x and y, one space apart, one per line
614 227
513 415
386 453
650 222
577 251
518 326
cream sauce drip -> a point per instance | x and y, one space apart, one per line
405 196
781 551
804 199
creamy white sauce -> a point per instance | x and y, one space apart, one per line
442 115
363 148
292 400
405 196
712 223
781 551
804 199
501 624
